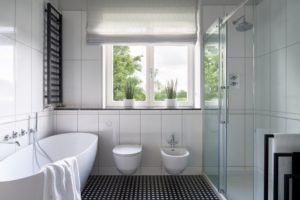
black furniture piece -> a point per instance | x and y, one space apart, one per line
294 176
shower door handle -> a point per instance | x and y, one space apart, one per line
224 87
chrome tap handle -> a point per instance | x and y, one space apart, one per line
14 134
23 132
6 138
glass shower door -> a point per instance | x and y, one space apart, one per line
215 105
223 108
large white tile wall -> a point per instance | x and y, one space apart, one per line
150 128
240 61
82 64
21 69
277 96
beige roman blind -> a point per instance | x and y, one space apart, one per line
141 21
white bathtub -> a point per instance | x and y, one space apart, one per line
21 179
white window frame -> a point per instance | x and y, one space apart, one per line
150 102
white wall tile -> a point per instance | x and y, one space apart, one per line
72 35
249 103
23 21
88 123
262 122
150 170
150 112
237 94
6 149
109 112
130 129
293 21
7 76
89 51
91 84
292 126
210 15
45 126
108 138
171 124
130 112
278 80
37 24
72 83
192 138
7 18
236 141
23 140
37 81
249 35
171 112
263 27
151 140
66 123
23 79
109 171
293 74
278 24
73 4
235 41
278 125
262 83
249 140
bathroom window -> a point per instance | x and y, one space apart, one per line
149 68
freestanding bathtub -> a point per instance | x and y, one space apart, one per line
21 178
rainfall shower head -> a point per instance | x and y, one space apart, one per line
244 25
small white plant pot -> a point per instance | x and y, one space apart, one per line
171 103
128 103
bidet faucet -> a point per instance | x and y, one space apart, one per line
172 142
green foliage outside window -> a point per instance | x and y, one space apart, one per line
125 68
211 63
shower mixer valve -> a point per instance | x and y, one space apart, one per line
234 81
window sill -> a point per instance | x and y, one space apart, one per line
116 108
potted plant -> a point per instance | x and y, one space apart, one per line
129 94
171 92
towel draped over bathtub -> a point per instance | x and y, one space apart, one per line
61 180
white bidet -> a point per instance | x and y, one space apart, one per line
175 160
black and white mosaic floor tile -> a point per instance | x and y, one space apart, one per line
148 188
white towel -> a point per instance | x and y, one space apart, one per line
61 180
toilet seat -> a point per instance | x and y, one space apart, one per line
127 150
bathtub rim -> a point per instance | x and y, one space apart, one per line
41 173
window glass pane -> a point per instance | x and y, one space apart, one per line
129 64
170 63
211 78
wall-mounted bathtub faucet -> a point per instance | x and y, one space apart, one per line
35 129
10 142
172 142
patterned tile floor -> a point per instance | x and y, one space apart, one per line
148 188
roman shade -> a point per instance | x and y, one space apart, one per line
141 21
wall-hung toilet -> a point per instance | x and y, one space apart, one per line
127 158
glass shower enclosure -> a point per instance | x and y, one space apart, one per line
215 105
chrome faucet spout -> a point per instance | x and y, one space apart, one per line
10 142
172 142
